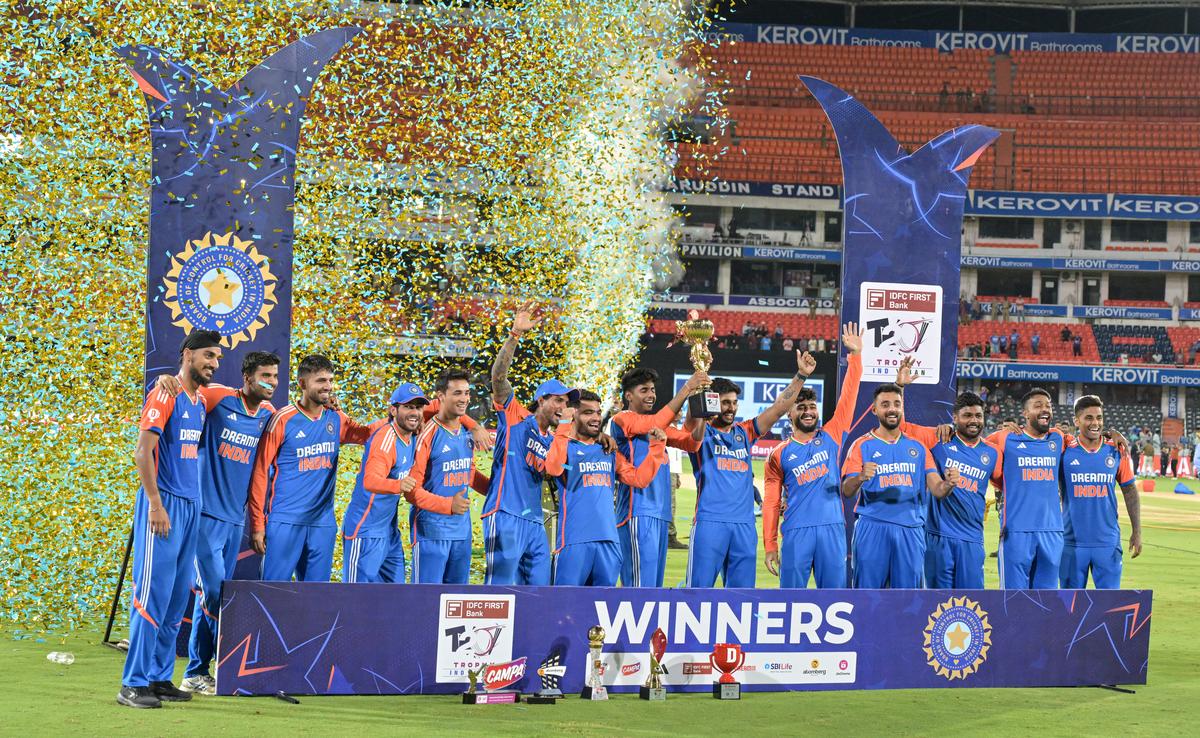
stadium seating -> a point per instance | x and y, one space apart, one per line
1137 342
730 322
1051 346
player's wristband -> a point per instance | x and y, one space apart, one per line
514 334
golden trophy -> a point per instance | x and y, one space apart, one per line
697 333
653 688
594 688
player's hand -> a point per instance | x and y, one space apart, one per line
481 437
805 364
945 432
852 338
1135 544
460 504
697 382
524 319
168 383
1010 427
160 522
1117 438
408 484
332 402
658 434
258 541
904 375
608 444
952 477
772 562
568 416
868 471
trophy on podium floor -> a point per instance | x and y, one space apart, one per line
697 333
551 673
594 688
727 658
653 688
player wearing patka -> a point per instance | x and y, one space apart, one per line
893 476
165 522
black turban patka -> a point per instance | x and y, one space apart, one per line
200 340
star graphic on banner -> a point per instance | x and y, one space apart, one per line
957 636
221 290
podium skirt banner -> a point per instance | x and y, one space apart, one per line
327 638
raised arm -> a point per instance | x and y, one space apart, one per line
805 365
523 322
556 457
635 424
843 415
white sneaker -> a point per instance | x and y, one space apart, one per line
203 684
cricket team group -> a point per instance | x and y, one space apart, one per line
210 457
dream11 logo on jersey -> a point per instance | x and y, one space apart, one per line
473 631
900 320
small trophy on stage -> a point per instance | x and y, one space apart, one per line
653 688
697 333
551 672
594 689
494 678
727 658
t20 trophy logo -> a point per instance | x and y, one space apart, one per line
594 688
697 333
727 658
653 688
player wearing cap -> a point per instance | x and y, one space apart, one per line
1091 471
372 547
514 534
165 522
586 551
892 476
436 487
803 486
643 513
724 540
292 522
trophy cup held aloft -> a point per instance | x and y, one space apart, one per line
653 689
594 688
727 658
697 333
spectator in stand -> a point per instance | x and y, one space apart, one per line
732 227
1034 342
1004 344
944 96
762 329
1156 358
1077 345
964 310
976 309
1005 310
1012 347
779 331
983 393
788 345
802 345
1191 356
995 344
717 232
764 343
1019 311
1014 339
1065 335
747 328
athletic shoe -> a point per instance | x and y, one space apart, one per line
676 544
168 692
200 684
141 698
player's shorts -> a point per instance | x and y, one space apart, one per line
728 549
643 543
888 555
374 560
515 550
1104 563
217 548
952 563
305 551
588 564
1030 559
441 562
819 550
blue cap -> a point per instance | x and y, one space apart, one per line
406 393
555 387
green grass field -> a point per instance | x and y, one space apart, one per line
43 698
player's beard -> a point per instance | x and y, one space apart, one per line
799 425
890 422
584 431
197 377
967 433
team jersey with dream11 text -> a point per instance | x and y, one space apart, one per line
227 452
959 514
374 514
897 493
443 465
724 476
179 422
1089 500
1031 500
296 467
518 460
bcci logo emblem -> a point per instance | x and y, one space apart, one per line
1110 462
957 638
220 283
912 452
1053 446
984 458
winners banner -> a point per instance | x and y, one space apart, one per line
327 638
222 200
900 263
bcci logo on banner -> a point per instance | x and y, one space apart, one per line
222 284
957 638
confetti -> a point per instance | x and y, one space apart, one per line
452 165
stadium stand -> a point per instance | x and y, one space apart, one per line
1136 342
